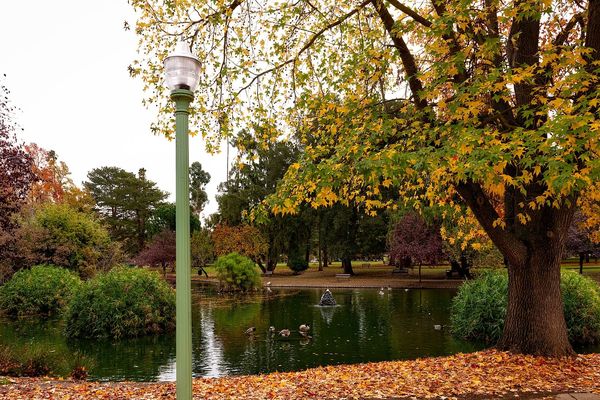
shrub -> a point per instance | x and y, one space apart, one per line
41 290
298 265
123 302
581 298
236 272
479 309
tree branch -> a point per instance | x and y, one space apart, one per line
503 109
523 49
410 12
560 39
307 45
592 34
478 202
408 60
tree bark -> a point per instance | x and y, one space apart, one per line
347 265
141 232
349 246
272 253
581 257
535 322
320 240
261 266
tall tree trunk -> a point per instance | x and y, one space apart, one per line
272 253
141 231
320 259
535 322
325 255
347 265
350 242
320 240
261 266
308 245
581 257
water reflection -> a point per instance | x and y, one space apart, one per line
365 326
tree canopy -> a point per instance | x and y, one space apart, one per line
53 175
59 235
16 179
490 104
125 201
413 241
160 251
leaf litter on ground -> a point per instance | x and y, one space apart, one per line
479 375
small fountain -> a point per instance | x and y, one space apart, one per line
327 299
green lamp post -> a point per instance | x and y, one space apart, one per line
182 72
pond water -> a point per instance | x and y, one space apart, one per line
365 326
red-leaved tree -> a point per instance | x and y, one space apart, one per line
16 178
413 241
160 251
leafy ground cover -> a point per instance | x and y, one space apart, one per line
486 374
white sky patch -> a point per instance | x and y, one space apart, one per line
66 65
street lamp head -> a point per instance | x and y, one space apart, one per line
182 69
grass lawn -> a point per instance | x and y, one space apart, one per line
375 272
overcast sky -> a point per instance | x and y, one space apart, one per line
66 65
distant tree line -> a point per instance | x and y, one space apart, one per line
119 216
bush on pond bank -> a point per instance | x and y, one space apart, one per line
124 302
236 272
298 265
479 309
38 360
41 290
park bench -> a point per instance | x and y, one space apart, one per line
342 276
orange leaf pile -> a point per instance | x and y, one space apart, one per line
485 374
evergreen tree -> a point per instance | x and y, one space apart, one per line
199 178
126 202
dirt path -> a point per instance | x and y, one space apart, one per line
366 276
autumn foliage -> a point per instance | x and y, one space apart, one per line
53 175
483 104
16 179
160 251
413 242
245 240
486 374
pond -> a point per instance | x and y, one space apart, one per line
365 326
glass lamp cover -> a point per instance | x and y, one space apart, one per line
182 69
